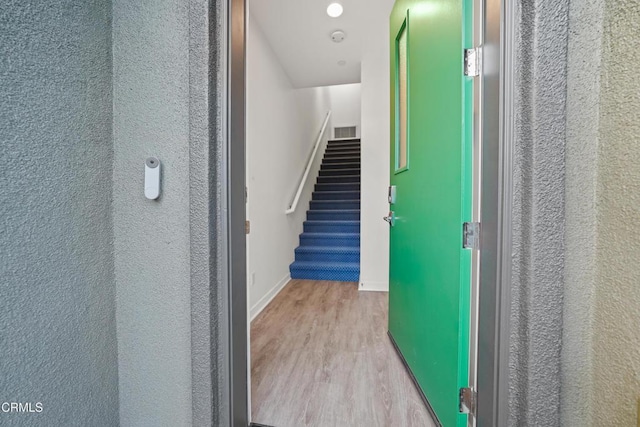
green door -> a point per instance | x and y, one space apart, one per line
431 161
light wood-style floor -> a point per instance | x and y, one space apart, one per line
320 356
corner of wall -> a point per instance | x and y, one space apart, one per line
375 110
583 93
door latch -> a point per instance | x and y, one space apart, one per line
391 219
467 399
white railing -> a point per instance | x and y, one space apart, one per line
294 203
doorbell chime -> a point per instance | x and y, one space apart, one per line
152 178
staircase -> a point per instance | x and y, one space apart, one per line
330 243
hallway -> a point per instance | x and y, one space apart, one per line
320 356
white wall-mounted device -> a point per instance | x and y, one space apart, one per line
152 178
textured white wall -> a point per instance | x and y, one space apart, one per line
57 287
601 342
282 126
538 253
152 244
374 232
345 106
616 316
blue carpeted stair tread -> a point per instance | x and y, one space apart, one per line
338 179
330 239
341 160
335 271
337 186
354 266
344 140
355 236
342 154
335 204
336 195
328 254
346 165
332 249
339 172
339 222
334 215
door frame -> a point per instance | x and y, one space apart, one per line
222 399
497 134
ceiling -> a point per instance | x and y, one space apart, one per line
299 33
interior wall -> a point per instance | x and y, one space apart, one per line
282 126
375 101
151 73
57 310
345 106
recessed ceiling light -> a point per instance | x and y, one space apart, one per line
334 10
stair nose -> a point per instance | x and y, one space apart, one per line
315 226
334 204
344 165
339 172
338 186
337 148
333 215
330 239
328 254
350 146
339 179
333 155
344 140
330 160
336 195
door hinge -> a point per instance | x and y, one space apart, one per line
471 235
472 61
467 400
247 227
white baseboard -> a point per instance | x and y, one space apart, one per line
265 300
367 285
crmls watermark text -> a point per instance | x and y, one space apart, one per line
21 407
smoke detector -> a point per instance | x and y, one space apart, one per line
338 36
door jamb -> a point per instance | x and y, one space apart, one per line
219 369
496 212
236 214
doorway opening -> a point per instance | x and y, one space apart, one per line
361 282
317 158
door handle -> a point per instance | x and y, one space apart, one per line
391 219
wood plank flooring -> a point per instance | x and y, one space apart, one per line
320 356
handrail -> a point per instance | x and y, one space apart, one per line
294 203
